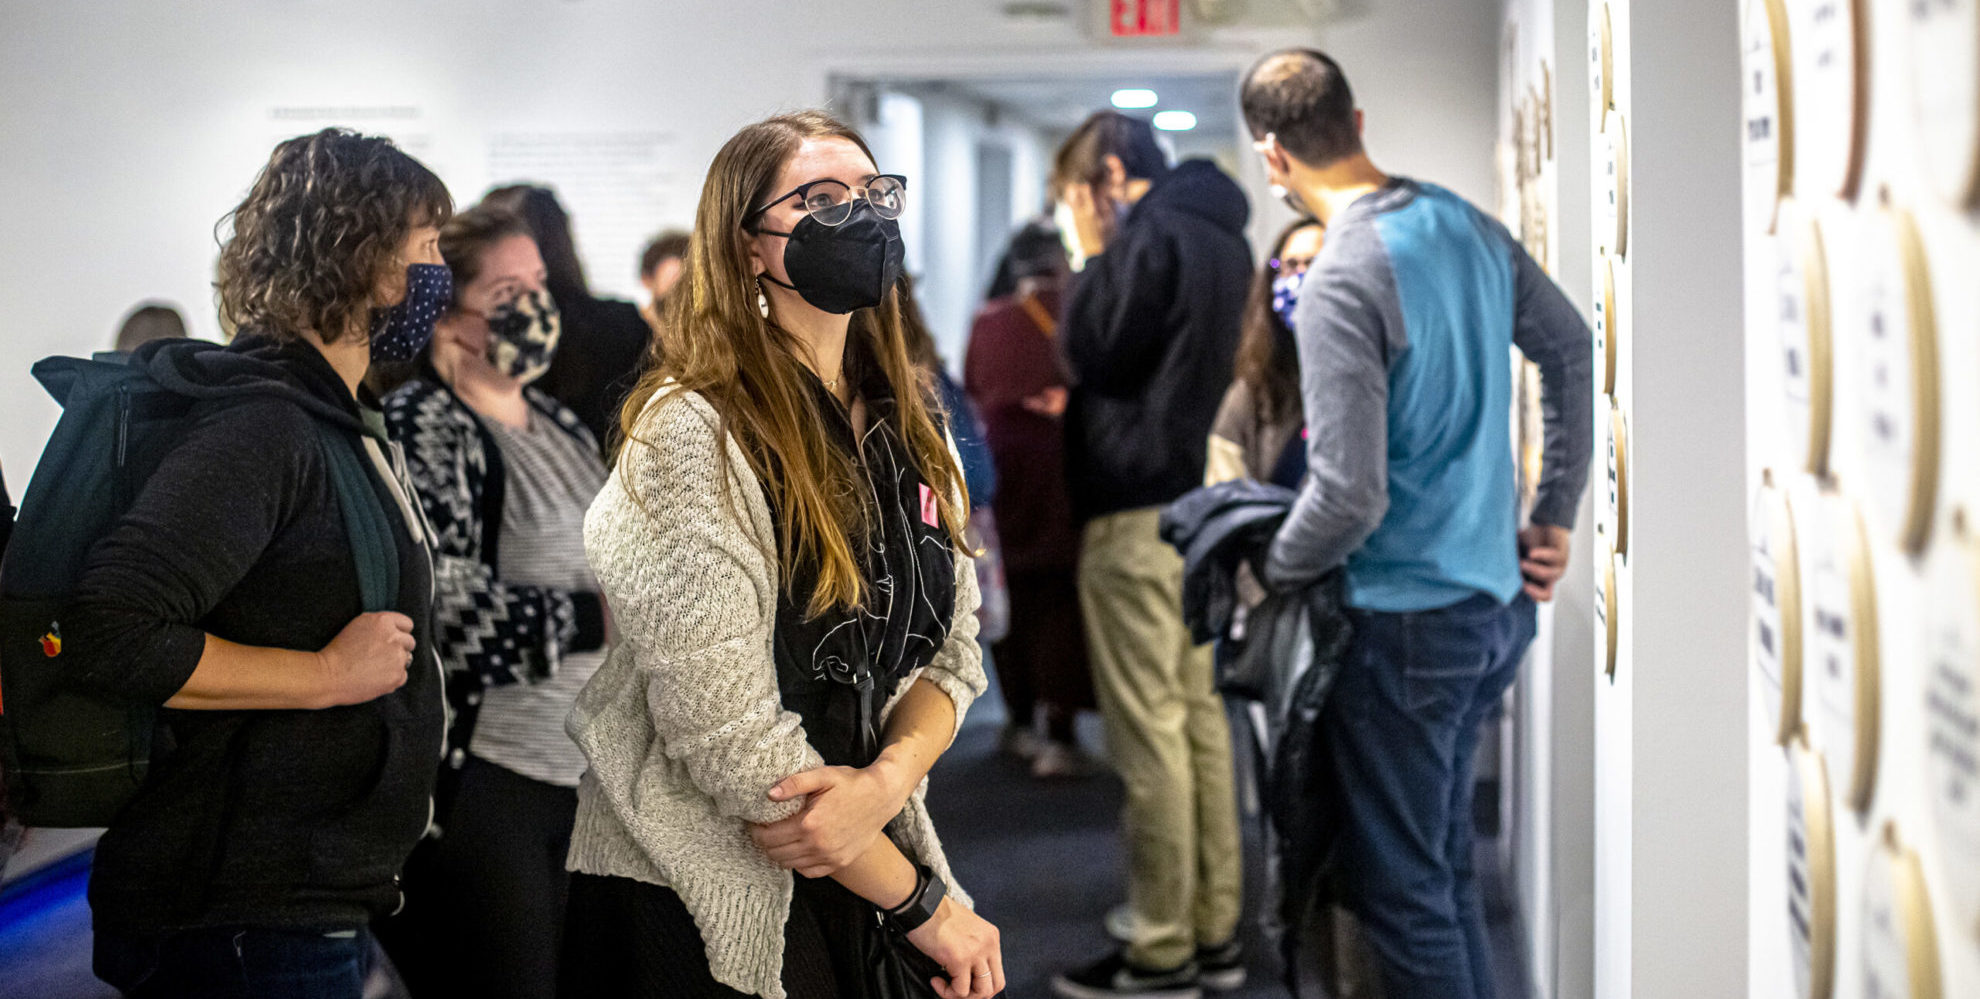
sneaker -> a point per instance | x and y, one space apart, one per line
1120 923
1057 760
1221 969
1020 743
1112 977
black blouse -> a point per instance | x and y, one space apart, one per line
837 670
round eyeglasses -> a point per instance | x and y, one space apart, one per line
831 201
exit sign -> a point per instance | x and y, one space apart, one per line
1144 18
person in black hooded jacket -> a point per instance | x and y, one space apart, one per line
1151 330
298 736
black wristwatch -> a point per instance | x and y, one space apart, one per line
920 906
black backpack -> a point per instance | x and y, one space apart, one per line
72 757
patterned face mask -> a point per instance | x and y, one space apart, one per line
523 336
1285 296
400 332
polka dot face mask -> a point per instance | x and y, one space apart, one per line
1285 296
523 336
400 332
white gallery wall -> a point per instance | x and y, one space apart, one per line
1543 197
1671 795
128 127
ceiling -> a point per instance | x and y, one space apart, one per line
1061 103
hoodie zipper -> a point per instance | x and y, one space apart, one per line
390 461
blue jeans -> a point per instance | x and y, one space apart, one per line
1402 727
237 963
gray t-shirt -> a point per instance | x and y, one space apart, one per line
551 479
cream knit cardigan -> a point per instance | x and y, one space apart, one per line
682 725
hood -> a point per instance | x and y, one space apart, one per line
253 365
1199 188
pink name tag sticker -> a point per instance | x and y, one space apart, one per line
931 513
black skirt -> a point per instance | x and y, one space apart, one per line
637 940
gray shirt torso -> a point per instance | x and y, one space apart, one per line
551 479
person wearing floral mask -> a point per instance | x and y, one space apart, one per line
499 468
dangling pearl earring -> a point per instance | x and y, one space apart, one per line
762 300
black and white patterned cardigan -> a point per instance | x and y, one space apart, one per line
490 632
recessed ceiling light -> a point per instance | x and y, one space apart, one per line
1174 121
1134 98
1036 10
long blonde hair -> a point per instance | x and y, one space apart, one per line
714 341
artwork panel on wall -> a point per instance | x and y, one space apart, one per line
1951 734
1842 664
1768 137
1944 38
1831 95
1618 479
1811 858
1601 64
1898 381
1803 314
1899 942
1776 614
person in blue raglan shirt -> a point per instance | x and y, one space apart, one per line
1403 329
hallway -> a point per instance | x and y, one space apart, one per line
1042 859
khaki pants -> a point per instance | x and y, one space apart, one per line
1168 737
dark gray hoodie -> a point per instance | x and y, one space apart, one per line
253 818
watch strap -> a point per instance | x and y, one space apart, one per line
921 906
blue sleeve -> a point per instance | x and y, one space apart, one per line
979 474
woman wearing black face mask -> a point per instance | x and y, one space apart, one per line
268 590
781 543
504 474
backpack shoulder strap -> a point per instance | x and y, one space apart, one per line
372 545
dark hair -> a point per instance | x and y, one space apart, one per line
468 235
149 321
322 225
1302 96
1082 158
1267 359
1035 251
539 209
672 244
